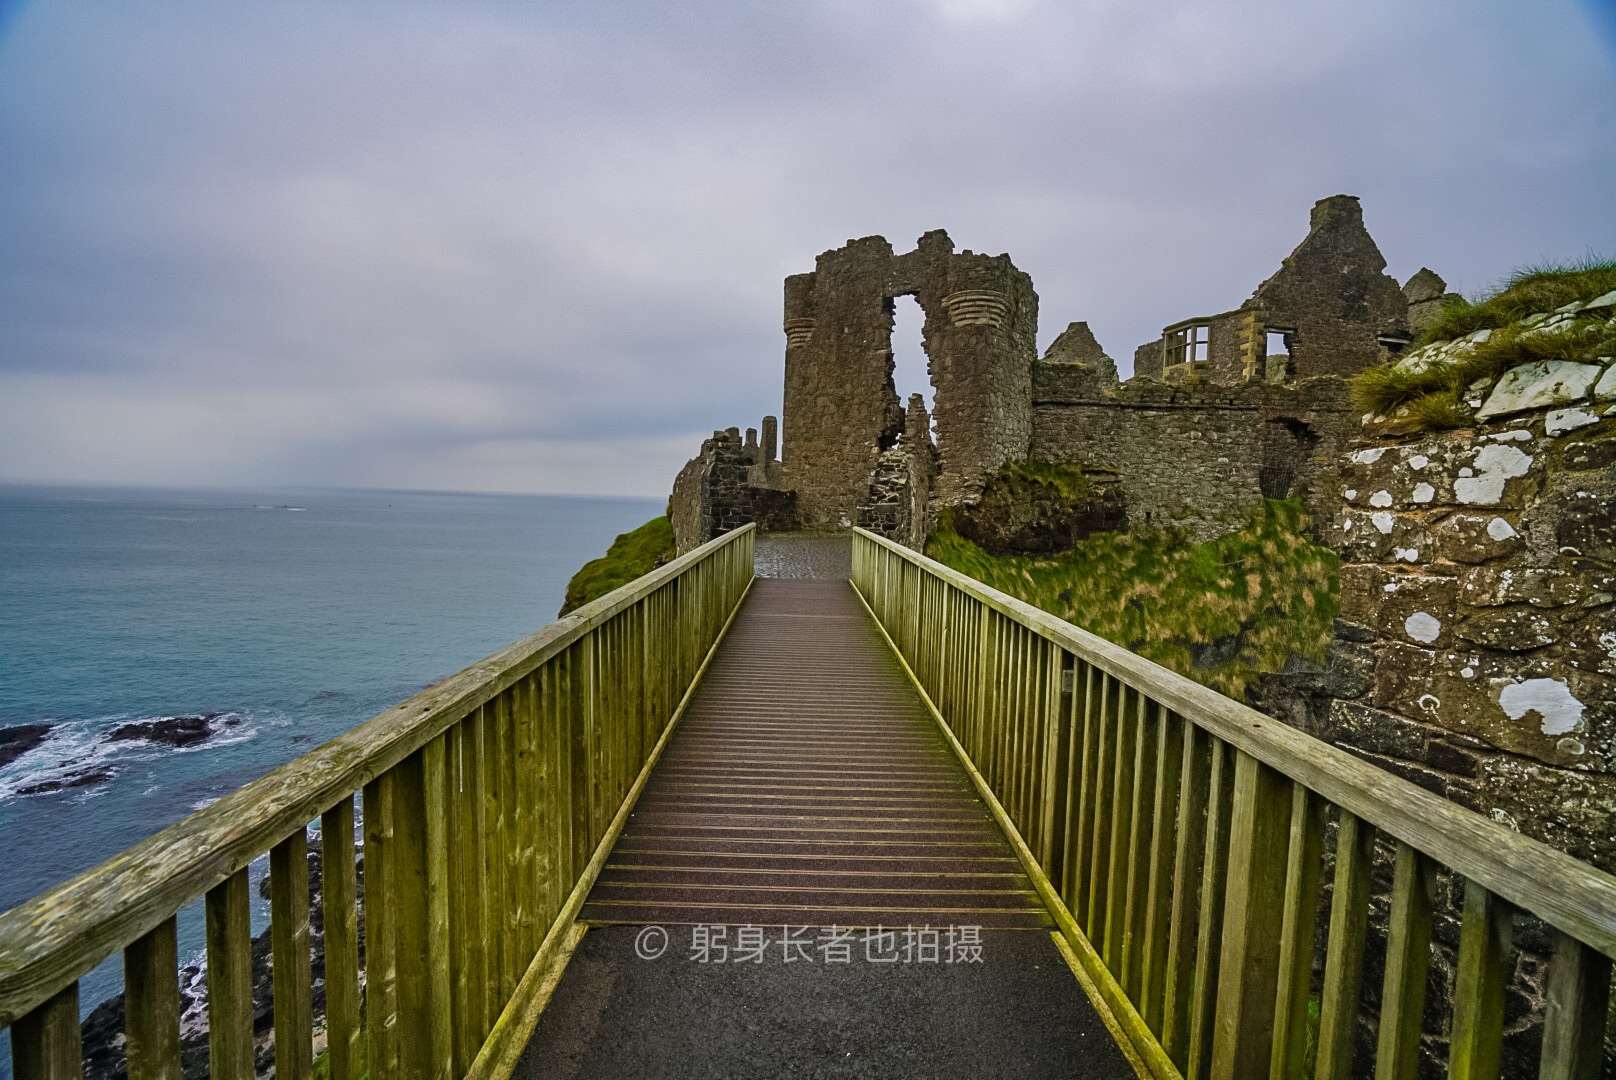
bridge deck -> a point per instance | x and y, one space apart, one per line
807 785
806 790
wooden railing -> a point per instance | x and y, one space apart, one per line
1181 841
488 802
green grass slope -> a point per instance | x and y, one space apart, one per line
1222 613
631 555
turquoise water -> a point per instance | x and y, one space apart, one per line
293 615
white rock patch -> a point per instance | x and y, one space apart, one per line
1561 421
1382 521
1551 699
1423 626
1606 386
1517 435
1408 554
1533 386
1496 465
1380 498
1424 493
1368 457
1418 462
1499 529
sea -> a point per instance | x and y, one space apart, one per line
282 617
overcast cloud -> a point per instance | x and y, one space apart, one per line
538 247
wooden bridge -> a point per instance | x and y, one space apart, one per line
701 749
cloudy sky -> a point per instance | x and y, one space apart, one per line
538 246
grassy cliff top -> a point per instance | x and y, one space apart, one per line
1540 316
632 554
1222 612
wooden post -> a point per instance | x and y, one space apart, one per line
230 1005
292 980
45 1042
152 1004
1248 970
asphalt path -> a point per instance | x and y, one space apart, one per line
1017 1011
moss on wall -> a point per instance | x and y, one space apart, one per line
631 555
1223 612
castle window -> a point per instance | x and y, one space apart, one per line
1186 343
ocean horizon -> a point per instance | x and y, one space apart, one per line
165 646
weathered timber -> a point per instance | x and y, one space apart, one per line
1194 918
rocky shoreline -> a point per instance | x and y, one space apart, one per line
179 732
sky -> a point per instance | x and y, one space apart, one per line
538 247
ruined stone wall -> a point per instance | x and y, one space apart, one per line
841 411
728 484
1477 586
1198 456
1333 295
899 504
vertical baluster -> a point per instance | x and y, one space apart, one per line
525 791
1080 830
1183 922
482 1008
1057 765
1170 734
45 1042
1103 803
419 866
511 915
1248 970
1343 961
291 980
1478 999
340 918
1120 807
152 1004
381 960
230 1004
465 989
1296 933
435 836
1209 917
1578 1005
1408 959
1138 844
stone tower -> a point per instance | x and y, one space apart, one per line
841 409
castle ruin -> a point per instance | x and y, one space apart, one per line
1212 420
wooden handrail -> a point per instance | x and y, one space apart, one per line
1120 769
610 677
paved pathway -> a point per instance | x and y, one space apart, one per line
810 887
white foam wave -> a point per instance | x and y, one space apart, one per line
79 757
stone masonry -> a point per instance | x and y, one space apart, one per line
841 411
1331 300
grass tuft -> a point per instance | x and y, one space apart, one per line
1433 394
1263 595
1527 291
631 555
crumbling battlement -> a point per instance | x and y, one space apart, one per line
729 484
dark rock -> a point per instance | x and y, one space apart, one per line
102 1031
83 778
1030 508
171 730
17 741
